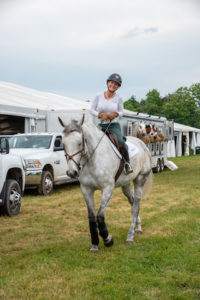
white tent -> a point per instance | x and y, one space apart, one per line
19 96
192 138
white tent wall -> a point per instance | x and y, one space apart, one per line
198 139
171 151
179 144
187 143
193 143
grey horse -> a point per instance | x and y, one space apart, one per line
93 161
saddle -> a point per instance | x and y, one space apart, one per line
113 138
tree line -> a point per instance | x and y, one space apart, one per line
182 106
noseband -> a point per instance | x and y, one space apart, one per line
70 157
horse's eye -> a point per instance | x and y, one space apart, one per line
79 144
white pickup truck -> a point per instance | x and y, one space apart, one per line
44 157
12 180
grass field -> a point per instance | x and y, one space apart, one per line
44 251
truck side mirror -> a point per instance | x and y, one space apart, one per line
4 145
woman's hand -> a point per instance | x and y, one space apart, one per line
103 116
112 115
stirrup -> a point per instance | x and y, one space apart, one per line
127 168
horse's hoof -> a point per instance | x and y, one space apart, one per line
138 231
129 241
109 241
94 249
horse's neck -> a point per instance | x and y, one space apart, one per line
93 136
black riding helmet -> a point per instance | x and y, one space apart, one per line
116 78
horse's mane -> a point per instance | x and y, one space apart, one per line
93 127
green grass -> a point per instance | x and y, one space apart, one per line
44 251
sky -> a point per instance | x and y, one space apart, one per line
70 47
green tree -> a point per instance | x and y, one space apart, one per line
182 108
152 104
195 93
131 104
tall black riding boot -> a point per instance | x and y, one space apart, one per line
127 167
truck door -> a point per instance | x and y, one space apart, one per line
60 162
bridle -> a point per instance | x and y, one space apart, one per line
70 157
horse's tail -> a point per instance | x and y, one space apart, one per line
147 185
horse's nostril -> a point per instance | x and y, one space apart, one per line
75 174
72 174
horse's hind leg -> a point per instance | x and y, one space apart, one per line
103 231
88 194
138 228
128 193
138 188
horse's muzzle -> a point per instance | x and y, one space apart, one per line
73 174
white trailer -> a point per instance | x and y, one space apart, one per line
158 149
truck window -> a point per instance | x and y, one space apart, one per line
30 141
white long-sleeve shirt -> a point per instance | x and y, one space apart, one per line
102 105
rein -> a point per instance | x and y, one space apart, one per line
70 157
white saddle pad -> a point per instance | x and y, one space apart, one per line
132 149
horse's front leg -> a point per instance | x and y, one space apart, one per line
138 188
103 231
88 194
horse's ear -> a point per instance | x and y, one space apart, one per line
82 120
61 122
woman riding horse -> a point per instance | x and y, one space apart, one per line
109 106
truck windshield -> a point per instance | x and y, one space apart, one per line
30 141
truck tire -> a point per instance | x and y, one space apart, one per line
157 169
46 186
13 198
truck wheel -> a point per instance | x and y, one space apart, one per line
157 168
162 165
13 198
46 186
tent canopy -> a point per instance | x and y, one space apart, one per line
19 96
184 128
